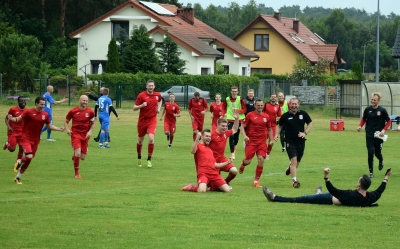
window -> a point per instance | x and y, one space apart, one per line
261 42
117 26
205 70
221 50
96 64
261 70
226 69
244 71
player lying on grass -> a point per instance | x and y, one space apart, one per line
359 197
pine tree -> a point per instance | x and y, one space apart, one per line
169 55
113 63
139 53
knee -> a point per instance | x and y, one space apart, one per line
151 140
11 149
233 171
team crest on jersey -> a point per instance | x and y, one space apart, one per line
300 116
173 108
199 103
378 113
157 98
43 117
275 109
87 115
265 120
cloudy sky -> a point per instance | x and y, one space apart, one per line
370 6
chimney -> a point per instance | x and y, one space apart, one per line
277 16
296 24
186 14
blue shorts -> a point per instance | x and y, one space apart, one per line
105 123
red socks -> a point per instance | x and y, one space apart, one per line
139 149
76 164
259 171
25 164
150 149
229 178
171 138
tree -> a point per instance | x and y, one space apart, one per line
21 58
169 56
357 71
60 53
302 69
113 63
139 54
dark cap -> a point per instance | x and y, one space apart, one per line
196 94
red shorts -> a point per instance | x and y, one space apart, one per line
198 124
170 127
29 148
223 159
79 141
145 128
213 180
13 140
260 149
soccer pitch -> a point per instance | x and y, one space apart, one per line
118 205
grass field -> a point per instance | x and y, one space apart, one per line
118 205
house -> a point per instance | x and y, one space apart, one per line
201 46
279 40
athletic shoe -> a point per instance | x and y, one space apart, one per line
283 149
149 164
17 165
267 157
257 185
318 190
187 187
17 180
96 139
241 169
51 140
101 146
288 169
268 193
168 137
5 146
139 163
233 156
380 165
296 184
78 176
107 146
371 175
169 145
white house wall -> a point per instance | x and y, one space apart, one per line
235 63
205 62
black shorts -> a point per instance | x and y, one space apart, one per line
294 149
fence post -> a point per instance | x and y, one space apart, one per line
185 96
68 92
1 86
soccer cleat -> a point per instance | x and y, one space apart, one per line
149 165
188 187
78 176
17 180
5 146
241 169
318 190
51 140
139 163
96 139
233 156
107 146
380 165
283 149
17 165
169 145
288 169
296 184
268 193
267 157
371 175
257 185
101 146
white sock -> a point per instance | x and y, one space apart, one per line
294 179
19 175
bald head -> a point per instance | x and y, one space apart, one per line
83 101
50 89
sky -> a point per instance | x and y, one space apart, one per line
370 6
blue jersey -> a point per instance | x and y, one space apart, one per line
49 103
104 103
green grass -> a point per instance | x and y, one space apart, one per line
118 205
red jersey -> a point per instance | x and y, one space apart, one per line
218 142
273 112
257 126
33 124
217 111
81 120
204 159
170 110
16 127
196 107
148 113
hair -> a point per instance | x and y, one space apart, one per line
250 90
258 100
298 101
196 94
234 87
280 93
365 182
273 94
171 94
20 97
377 94
204 131
38 99
222 120
149 81
218 94
106 91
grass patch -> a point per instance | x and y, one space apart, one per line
118 205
